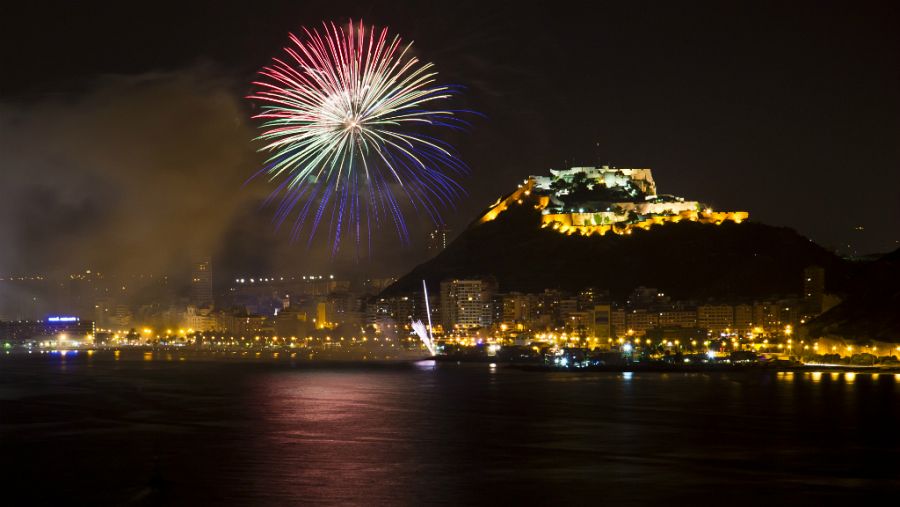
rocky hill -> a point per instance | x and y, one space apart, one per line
686 259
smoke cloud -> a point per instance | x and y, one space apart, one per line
131 176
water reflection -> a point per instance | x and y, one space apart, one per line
342 431
848 377
268 434
426 364
456 433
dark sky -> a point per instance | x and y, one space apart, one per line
125 134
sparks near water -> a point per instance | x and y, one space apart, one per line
348 117
423 332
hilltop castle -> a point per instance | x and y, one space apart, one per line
597 200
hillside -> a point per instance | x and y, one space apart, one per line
872 309
686 260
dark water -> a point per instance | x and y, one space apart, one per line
96 431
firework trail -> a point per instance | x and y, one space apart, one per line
347 117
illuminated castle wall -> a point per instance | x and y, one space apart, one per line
642 207
563 222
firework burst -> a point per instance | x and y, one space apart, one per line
347 117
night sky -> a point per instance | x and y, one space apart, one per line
125 137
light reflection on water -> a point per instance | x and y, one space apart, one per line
426 364
390 431
255 434
848 377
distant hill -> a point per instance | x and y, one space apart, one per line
686 260
872 308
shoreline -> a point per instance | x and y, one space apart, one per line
408 359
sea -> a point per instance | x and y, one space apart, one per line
114 429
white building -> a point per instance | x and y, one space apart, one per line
467 303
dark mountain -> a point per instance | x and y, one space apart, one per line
872 308
685 260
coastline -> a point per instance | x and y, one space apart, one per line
411 359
